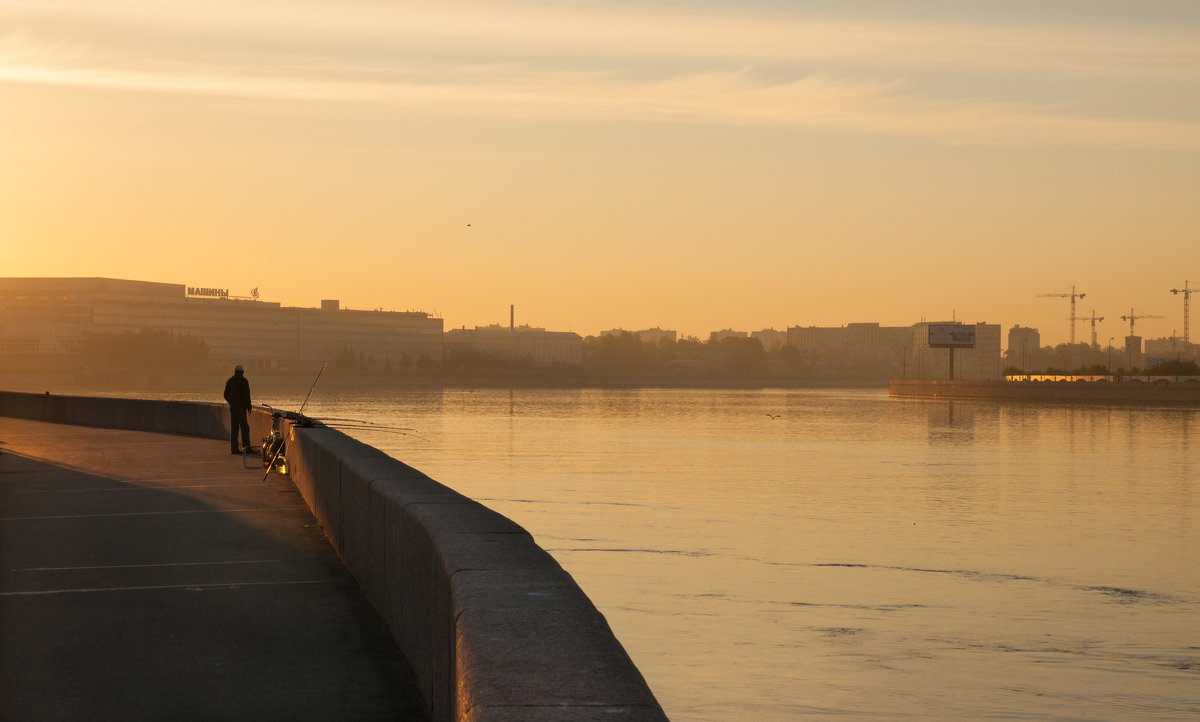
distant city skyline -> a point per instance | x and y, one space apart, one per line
1112 322
699 165
1147 323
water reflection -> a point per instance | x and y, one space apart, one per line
951 422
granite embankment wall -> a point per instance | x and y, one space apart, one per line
1160 391
495 629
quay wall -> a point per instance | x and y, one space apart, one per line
1158 391
493 626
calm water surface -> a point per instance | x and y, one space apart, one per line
815 554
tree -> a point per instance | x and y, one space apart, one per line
1174 367
622 354
742 356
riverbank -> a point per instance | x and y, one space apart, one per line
272 383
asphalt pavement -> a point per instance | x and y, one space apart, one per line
148 576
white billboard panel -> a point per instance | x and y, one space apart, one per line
951 335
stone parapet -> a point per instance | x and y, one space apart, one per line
494 627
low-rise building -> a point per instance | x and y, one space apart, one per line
718 336
771 339
1170 349
856 350
520 343
656 335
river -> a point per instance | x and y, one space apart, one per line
810 554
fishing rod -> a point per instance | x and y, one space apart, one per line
379 429
363 425
344 423
300 413
310 388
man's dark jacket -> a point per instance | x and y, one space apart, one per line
237 392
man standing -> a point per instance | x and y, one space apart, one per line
237 395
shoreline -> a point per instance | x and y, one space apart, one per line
1155 391
183 383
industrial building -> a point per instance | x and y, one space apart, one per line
49 324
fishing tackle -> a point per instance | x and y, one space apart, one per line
275 439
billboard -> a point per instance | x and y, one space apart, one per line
951 335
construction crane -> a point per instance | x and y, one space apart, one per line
1134 316
1094 319
1072 295
1187 300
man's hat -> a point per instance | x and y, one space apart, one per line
238 368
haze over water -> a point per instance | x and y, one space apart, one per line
780 555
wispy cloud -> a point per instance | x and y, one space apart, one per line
622 30
616 62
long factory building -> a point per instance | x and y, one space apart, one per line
46 324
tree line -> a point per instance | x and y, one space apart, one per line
1080 359
625 355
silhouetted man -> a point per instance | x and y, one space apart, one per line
237 395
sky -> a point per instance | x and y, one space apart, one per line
691 165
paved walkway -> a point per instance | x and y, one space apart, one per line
148 576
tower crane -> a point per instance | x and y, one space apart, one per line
1134 316
1187 300
1072 295
1094 319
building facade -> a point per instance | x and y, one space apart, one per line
1170 349
856 350
519 343
1024 343
53 323
983 362
869 351
656 335
771 339
719 336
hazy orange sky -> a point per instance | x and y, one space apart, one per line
690 165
